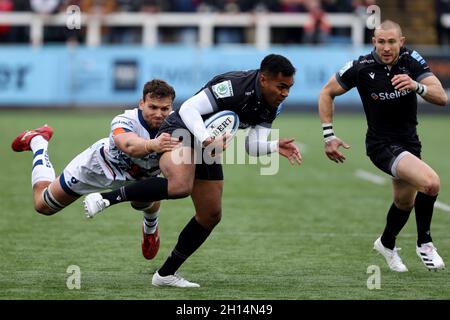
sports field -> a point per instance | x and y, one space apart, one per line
305 233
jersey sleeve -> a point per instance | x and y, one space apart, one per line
347 76
121 124
419 68
256 142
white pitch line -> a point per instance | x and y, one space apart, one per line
376 179
442 206
365 175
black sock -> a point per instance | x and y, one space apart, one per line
395 221
424 212
148 190
190 239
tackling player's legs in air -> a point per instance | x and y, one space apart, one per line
129 154
51 195
48 194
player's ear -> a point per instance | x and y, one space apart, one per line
402 41
374 41
263 79
141 104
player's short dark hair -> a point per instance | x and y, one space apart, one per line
158 89
274 64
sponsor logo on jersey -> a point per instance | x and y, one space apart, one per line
223 89
372 75
418 57
367 61
390 95
120 122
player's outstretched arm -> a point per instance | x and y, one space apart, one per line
326 110
138 147
430 88
256 142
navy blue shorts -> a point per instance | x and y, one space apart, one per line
203 171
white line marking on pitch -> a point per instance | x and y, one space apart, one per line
442 206
365 175
376 179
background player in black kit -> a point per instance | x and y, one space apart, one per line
388 80
255 96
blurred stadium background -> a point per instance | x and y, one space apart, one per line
305 233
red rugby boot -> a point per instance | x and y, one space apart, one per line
150 244
22 141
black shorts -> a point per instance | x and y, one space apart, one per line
386 153
203 171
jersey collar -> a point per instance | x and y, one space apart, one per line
151 132
376 57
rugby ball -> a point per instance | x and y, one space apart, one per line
221 123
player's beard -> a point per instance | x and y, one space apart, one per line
155 124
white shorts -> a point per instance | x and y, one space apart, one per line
88 173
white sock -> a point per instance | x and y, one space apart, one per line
150 222
42 167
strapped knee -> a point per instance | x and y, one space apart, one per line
50 200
